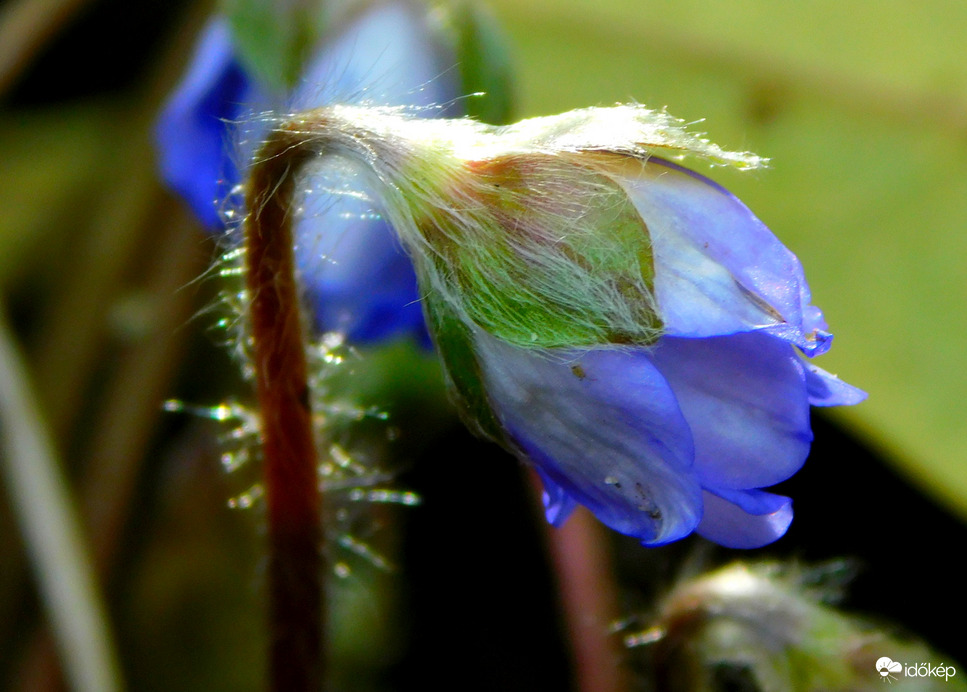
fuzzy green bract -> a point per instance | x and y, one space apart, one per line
508 268
523 229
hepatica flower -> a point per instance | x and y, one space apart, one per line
622 324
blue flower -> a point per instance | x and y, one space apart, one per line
682 434
355 273
622 324
625 326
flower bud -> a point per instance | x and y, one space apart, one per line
768 627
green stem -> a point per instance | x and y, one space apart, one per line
51 528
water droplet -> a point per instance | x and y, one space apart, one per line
232 461
409 499
340 456
649 636
222 412
332 358
246 499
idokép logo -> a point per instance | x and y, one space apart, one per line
890 670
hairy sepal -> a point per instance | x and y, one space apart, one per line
522 230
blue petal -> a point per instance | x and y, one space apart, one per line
602 425
825 389
744 397
718 269
192 138
389 56
355 273
558 505
744 519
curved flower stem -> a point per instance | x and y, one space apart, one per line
51 528
294 503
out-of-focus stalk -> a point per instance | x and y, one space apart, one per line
51 527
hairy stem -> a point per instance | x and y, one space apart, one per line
294 503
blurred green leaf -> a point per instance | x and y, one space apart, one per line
483 59
862 107
273 38
52 165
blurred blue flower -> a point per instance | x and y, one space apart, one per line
680 435
355 273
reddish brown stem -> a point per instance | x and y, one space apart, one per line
294 503
581 562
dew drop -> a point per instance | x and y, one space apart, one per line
649 636
409 499
232 461
246 499
221 412
340 456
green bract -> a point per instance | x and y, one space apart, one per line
545 252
